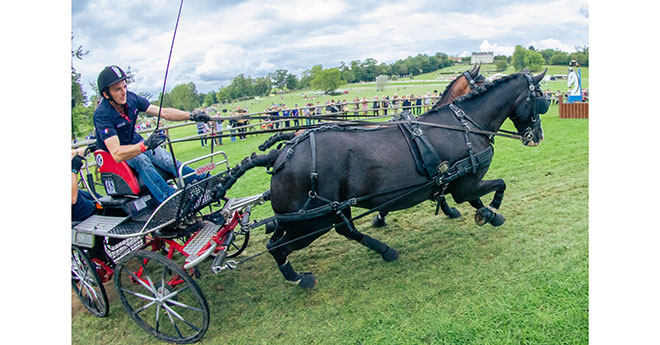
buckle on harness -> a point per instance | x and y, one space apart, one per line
443 167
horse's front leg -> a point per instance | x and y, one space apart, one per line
485 214
488 214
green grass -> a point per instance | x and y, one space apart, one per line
525 282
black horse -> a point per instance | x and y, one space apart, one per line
460 86
318 177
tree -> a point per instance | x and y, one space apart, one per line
501 65
381 82
262 86
291 82
327 80
534 60
518 58
184 97
560 58
209 99
523 58
279 78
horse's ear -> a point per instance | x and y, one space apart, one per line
475 72
526 70
537 78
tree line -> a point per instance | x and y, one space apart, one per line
186 96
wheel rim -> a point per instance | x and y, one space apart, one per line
86 283
238 245
161 298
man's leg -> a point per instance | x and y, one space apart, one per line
155 183
163 159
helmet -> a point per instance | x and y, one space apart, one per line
108 76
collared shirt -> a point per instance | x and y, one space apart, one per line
109 122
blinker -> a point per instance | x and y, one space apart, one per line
542 105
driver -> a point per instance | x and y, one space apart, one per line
114 120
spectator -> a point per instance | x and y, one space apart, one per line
319 111
241 122
202 128
232 126
285 114
356 106
365 105
395 103
386 104
427 101
418 104
295 113
405 101
376 105
307 112
218 131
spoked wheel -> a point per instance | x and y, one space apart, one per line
87 284
238 245
161 297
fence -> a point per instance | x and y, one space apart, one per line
577 110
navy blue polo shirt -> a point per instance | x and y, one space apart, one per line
108 122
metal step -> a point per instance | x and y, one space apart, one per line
99 225
201 239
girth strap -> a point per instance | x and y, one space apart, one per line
425 156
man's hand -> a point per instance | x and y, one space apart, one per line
155 140
76 164
200 117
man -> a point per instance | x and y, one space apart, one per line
114 121
82 202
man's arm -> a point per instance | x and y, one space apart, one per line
120 152
170 114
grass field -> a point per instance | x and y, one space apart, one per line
525 282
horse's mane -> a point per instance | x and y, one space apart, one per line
483 88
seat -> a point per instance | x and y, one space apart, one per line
119 179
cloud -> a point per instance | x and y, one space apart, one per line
218 40
551 43
226 61
486 46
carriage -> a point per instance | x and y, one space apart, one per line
140 244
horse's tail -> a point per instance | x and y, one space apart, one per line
275 139
239 170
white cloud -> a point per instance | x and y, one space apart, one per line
226 61
551 43
486 46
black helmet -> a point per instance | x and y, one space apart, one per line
108 76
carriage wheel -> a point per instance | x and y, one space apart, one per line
86 283
161 297
238 245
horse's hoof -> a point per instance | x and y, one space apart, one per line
307 281
390 254
378 221
484 215
498 220
453 213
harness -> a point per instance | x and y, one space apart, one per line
427 160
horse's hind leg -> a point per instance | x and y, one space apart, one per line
379 220
346 228
450 212
280 251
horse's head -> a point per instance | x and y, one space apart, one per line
529 105
462 85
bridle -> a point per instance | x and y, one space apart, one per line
534 94
473 82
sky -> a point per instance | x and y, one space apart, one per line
218 40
